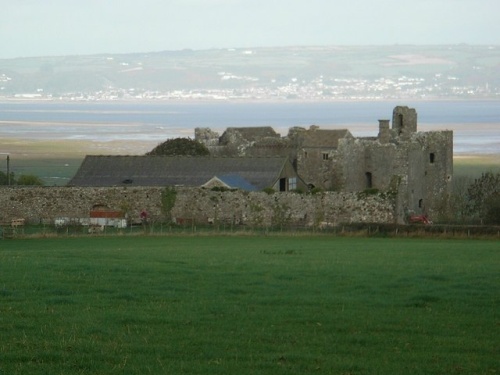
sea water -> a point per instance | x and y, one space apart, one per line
476 124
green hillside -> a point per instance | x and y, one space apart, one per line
304 72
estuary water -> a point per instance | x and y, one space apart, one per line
476 124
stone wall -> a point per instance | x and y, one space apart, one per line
44 204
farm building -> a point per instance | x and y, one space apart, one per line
99 216
244 173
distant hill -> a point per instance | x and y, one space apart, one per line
309 73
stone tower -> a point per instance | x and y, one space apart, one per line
404 121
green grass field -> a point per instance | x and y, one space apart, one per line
249 305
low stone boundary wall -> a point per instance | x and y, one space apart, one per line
45 204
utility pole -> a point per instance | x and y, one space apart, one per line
8 170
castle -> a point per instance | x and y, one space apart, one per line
415 166
387 178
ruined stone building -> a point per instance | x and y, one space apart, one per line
415 166
378 179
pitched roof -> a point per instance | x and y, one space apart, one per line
236 181
249 134
174 170
328 138
254 132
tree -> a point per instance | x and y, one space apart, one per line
483 196
4 180
492 214
29 179
455 209
180 146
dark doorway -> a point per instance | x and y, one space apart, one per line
282 184
369 180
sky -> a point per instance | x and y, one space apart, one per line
80 27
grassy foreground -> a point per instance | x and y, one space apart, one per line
249 305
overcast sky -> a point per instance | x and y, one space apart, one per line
69 27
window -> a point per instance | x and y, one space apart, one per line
400 124
432 157
292 183
325 155
305 154
420 203
369 180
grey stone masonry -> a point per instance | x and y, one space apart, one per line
204 206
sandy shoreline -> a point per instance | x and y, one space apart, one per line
53 149
28 137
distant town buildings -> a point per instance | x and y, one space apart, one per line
397 72
254 88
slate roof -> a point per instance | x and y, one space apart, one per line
172 170
237 182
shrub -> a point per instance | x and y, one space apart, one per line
492 215
180 146
481 194
268 190
168 198
29 180
316 190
